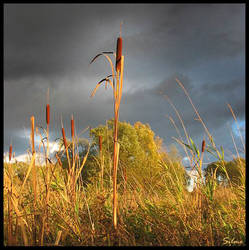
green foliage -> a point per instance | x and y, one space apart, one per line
141 155
235 170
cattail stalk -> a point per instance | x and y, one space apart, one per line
65 145
32 121
201 159
117 99
72 135
117 93
47 164
64 137
101 161
58 159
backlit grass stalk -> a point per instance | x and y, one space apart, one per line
32 123
101 156
242 141
72 135
65 141
117 93
47 184
73 183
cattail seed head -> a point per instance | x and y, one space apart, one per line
64 137
32 120
203 146
48 114
72 127
10 152
100 143
118 54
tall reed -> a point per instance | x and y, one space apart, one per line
32 123
117 85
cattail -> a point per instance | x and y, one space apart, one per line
10 152
72 127
64 137
203 146
100 143
48 114
14 155
32 119
118 54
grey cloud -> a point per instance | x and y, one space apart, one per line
51 45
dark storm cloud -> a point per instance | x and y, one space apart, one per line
51 45
210 99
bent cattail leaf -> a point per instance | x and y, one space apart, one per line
32 120
58 159
64 137
72 127
203 146
118 54
48 114
10 152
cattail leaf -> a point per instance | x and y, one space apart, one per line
98 84
210 150
222 151
194 147
102 53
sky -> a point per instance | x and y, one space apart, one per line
51 46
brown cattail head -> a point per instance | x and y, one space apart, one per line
118 54
72 127
100 143
64 137
32 120
48 114
10 152
203 146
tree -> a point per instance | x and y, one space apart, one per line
141 156
235 170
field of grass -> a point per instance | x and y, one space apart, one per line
160 213
125 193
